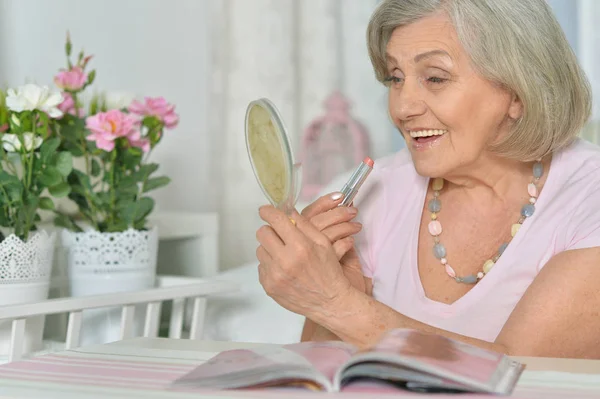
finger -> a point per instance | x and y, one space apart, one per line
335 216
269 239
341 247
309 231
342 230
263 256
323 204
281 224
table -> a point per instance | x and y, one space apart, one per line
159 360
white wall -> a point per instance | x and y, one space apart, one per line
295 53
148 47
209 57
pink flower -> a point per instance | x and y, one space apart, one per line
136 140
158 107
3 128
144 144
68 106
108 126
73 79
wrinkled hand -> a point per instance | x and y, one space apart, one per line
299 266
336 223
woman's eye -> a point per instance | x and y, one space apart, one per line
394 79
434 79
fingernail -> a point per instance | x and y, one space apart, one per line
336 196
352 211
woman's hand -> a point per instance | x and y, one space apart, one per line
299 266
336 223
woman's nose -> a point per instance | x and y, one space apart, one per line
407 102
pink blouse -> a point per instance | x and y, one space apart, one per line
567 216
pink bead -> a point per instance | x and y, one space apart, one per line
435 228
450 271
532 190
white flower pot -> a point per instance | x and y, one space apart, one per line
100 263
25 269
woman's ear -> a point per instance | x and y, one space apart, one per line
515 111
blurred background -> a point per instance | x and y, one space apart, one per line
211 58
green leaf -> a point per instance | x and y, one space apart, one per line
60 190
143 209
137 211
49 147
128 213
155 183
117 226
91 77
46 203
6 178
64 163
15 192
4 219
50 177
66 222
144 172
96 169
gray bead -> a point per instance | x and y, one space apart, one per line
538 170
472 279
502 248
439 251
527 210
435 205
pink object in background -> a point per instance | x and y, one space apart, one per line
156 106
332 144
108 126
73 79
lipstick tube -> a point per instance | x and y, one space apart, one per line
350 189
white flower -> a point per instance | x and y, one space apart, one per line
15 120
118 99
11 142
30 97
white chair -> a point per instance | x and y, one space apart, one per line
188 249
175 289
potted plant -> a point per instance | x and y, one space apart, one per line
33 173
110 245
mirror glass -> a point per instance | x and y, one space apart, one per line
271 155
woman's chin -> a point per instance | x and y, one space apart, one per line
429 169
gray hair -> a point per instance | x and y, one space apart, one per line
518 44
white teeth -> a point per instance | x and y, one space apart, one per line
427 133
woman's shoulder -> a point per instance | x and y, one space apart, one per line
579 162
575 196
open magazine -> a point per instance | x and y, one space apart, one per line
402 359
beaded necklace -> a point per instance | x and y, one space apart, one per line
435 227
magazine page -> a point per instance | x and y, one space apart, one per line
439 361
309 365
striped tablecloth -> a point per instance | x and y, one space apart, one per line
135 371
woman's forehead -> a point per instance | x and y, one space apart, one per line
426 38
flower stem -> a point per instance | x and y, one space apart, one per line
113 167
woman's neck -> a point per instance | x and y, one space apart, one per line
493 180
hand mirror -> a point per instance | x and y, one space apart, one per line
271 155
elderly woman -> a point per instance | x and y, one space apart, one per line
486 228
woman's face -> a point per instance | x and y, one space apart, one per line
447 113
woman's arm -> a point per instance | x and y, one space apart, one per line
316 332
558 316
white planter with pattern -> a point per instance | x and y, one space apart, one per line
100 263
25 269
